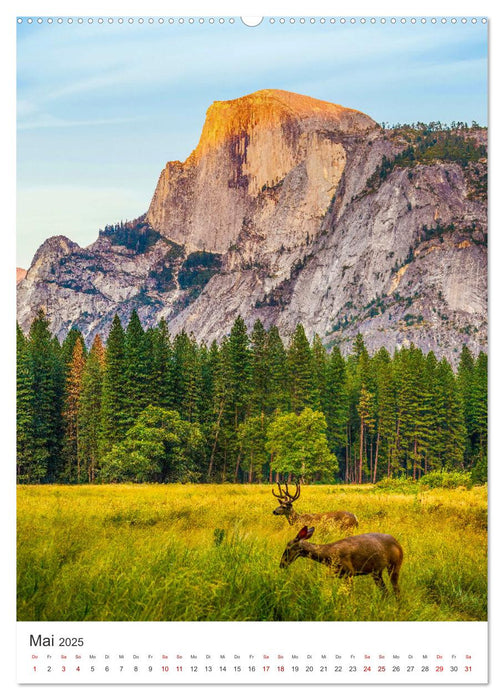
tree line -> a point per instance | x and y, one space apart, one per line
145 406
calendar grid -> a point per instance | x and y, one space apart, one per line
267 653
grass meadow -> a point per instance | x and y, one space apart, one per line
212 552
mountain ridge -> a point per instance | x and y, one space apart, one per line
293 210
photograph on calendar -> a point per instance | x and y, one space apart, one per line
251 320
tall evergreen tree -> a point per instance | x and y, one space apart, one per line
48 384
137 369
320 367
25 401
68 345
219 430
480 416
334 401
450 428
73 388
386 412
115 414
162 379
260 377
239 371
209 363
276 359
90 411
252 439
359 390
365 410
187 376
301 373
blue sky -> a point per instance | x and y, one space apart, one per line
101 108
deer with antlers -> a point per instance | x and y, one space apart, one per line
340 518
353 556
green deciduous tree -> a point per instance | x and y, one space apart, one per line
298 445
160 447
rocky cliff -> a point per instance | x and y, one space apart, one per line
292 210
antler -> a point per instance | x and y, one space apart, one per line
280 496
289 497
293 497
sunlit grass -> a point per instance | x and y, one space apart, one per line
211 552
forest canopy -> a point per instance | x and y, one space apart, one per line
143 406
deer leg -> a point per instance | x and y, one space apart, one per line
393 572
378 579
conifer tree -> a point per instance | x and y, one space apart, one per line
73 388
162 379
276 359
68 345
209 363
137 369
432 389
218 427
240 371
301 373
187 377
25 400
252 439
359 390
260 379
334 401
480 416
114 411
365 410
465 383
90 411
48 390
449 419
320 367
420 420
386 411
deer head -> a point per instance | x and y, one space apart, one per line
294 548
285 499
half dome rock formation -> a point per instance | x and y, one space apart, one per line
248 147
289 210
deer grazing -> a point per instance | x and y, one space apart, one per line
339 518
353 556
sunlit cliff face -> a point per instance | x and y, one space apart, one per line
269 110
248 146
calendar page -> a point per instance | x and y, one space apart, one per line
252 336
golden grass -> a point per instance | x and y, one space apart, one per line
211 552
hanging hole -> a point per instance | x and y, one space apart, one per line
251 21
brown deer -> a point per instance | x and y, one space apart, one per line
353 556
339 518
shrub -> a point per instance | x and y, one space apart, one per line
402 484
446 480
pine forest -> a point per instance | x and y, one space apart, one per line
142 406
